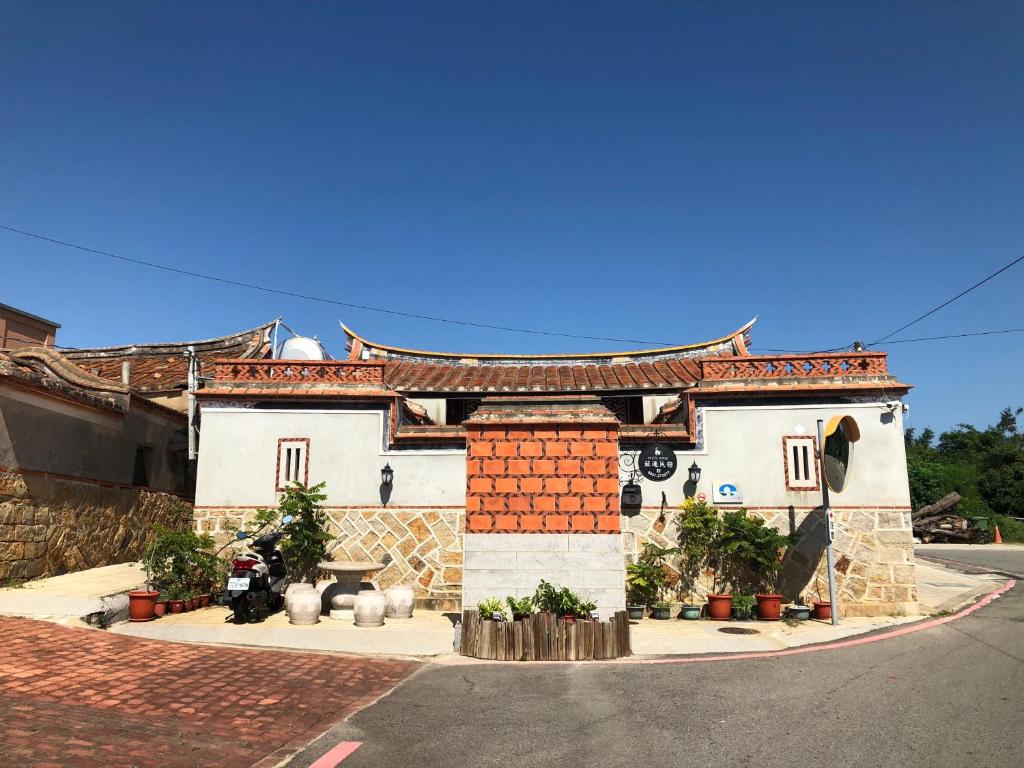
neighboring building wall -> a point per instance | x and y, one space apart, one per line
50 525
48 435
418 534
20 329
874 545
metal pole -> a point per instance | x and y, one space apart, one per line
192 384
829 526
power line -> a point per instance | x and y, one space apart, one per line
955 336
949 301
322 300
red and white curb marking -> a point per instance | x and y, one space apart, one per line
336 754
919 627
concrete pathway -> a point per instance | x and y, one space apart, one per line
427 633
70 598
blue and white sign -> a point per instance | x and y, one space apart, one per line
727 493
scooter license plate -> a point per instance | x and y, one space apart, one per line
238 583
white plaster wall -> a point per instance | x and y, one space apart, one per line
503 564
743 445
238 459
436 407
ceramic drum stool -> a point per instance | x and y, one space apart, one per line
398 602
294 589
304 606
369 608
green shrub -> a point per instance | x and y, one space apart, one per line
490 606
305 546
521 607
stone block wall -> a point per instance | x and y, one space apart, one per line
420 547
874 551
51 525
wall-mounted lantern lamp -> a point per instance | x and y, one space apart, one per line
387 475
694 473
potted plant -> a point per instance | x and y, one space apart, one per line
521 608
142 603
546 597
743 607
700 534
647 579
491 609
690 610
661 610
180 561
749 554
823 610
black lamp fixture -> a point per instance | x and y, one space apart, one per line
694 473
387 475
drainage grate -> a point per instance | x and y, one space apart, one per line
739 631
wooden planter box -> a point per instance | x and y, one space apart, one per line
544 637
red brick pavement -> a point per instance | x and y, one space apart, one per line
79 698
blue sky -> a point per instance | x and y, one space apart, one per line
652 171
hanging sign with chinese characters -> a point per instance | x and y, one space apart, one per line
657 462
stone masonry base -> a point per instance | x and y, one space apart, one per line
503 564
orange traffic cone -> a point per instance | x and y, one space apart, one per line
998 537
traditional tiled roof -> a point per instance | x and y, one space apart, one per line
47 372
164 367
416 371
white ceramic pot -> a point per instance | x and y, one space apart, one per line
369 608
303 606
293 589
398 602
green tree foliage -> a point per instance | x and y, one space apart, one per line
985 466
306 542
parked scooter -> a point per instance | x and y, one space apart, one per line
259 575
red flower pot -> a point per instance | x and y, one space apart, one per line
822 610
204 601
720 607
176 606
142 605
769 607
569 619
160 608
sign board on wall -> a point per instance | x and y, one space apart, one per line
727 493
657 462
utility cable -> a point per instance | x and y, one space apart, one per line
949 301
322 300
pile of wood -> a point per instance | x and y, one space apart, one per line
938 523
544 637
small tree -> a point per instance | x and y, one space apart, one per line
306 544
699 530
647 579
749 553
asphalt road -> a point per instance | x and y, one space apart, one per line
947 697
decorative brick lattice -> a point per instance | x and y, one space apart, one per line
834 366
542 478
306 371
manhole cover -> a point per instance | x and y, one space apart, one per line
738 631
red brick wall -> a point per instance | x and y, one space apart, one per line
526 478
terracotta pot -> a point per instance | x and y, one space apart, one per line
569 619
160 608
369 608
176 606
823 610
142 605
769 607
398 602
204 601
720 607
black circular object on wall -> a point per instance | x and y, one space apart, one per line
657 462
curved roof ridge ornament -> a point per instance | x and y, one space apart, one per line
357 345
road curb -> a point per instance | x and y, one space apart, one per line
838 644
